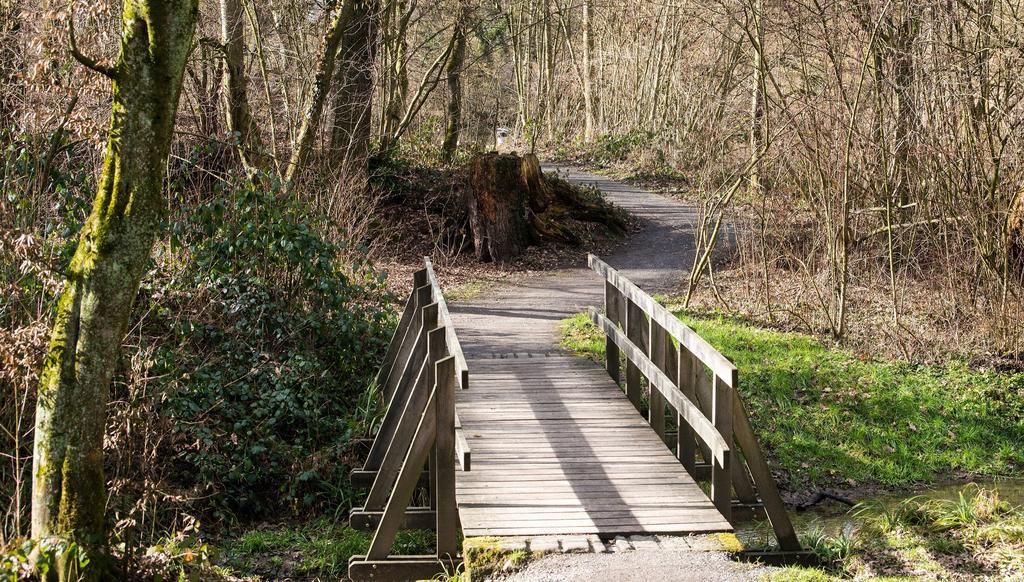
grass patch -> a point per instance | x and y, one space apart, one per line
974 536
466 291
319 548
826 417
485 558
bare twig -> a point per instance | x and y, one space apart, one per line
90 63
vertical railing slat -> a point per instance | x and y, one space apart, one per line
638 331
447 536
721 473
658 355
686 444
611 308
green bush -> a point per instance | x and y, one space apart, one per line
268 340
618 147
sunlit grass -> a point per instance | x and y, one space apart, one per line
318 548
826 417
939 537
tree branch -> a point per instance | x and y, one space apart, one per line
105 70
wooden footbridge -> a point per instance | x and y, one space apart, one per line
656 442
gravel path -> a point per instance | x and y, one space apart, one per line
521 320
661 565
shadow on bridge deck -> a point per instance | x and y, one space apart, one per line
558 449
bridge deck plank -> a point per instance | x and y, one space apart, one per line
558 449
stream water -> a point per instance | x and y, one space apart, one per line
834 518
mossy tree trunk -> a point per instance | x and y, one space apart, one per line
353 96
103 278
321 87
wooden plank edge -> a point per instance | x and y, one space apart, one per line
401 568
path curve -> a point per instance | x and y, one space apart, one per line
521 320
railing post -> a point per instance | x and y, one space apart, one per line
660 342
686 444
721 471
638 331
612 301
444 446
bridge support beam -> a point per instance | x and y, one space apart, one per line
415 518
400 568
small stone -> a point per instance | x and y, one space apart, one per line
545 545
575 546
621 544
512 545
644 542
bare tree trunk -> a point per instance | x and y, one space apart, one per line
397 75
758 144
588 72
236 92
757 112
68 497
456 60
353 96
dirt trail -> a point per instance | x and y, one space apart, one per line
521 321
522 318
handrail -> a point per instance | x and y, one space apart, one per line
422 368
690 339
687 410
445 319
646 341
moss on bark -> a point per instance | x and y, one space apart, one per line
68 483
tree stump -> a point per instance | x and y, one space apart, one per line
497 202
511 205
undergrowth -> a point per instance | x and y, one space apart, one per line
244 381
973 536
320 548
264 341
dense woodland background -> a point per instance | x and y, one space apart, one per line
858 164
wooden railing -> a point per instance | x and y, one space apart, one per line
697 385
423 366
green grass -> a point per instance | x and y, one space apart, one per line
826 417
976 535
466 291
318 548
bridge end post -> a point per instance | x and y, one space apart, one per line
721 469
